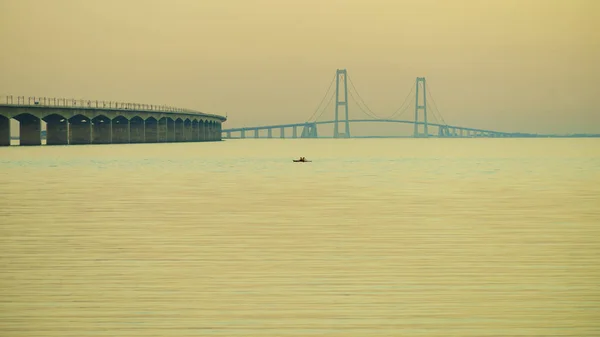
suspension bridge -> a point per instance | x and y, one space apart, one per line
422 127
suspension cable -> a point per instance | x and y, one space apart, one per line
322 100
325 108
405 101
434 104
361 109
401 112
361 99
373 114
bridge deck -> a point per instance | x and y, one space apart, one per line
278 126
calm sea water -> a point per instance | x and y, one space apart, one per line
375 237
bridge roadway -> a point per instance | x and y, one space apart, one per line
101 122
309 130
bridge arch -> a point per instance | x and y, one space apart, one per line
208 130
101 129
57 129
211 130
30 128
55 118
179 133
120 129
166 128
80 129
151 130
187 130
200 129
195 130
121 113
101 119
25 116
137 132
79 119
120 119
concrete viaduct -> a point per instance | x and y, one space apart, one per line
100 122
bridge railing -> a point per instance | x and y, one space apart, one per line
30 101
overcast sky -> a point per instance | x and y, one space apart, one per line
507 65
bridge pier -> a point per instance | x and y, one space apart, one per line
151 130
294 132
187 130
163 130
282 133
80 130
4 131
211 131
57 130
243 134
195 130
101 130
310 131
270 133
202 131
120 130
179 130
30 129
171 130
219 134
137 132
256 133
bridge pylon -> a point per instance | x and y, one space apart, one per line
420 86
341 75
309 131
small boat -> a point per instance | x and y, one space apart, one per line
301 160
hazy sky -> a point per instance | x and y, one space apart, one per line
509 65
